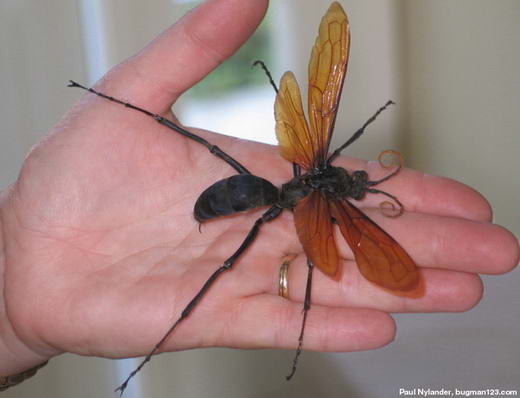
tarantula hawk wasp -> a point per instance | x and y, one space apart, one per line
318 197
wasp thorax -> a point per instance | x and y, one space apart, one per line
337 182
293 191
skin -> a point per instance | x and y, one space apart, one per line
100 251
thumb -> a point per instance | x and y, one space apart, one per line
184 53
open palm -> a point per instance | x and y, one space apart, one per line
102 251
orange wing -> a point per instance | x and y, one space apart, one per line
379 257
298 143
327 70
315 231
294 139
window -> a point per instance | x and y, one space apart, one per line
235 99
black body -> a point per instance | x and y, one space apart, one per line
245 192
238 193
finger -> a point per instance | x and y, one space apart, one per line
185 53
450 251
265 321
444 291
423 193
450 243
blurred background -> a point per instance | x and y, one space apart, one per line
453 69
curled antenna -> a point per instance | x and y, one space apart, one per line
392 155
389 208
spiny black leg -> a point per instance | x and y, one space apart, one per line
215 150
269 215
269 76
358 133
306 307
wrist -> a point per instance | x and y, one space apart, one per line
7 382
15 356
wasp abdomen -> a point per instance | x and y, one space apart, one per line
238 193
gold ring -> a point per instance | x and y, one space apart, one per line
283 282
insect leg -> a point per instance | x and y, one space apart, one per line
215 150
306 307
358 133
269 215
269 76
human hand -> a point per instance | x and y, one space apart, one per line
101 251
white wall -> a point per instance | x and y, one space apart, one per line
452 67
